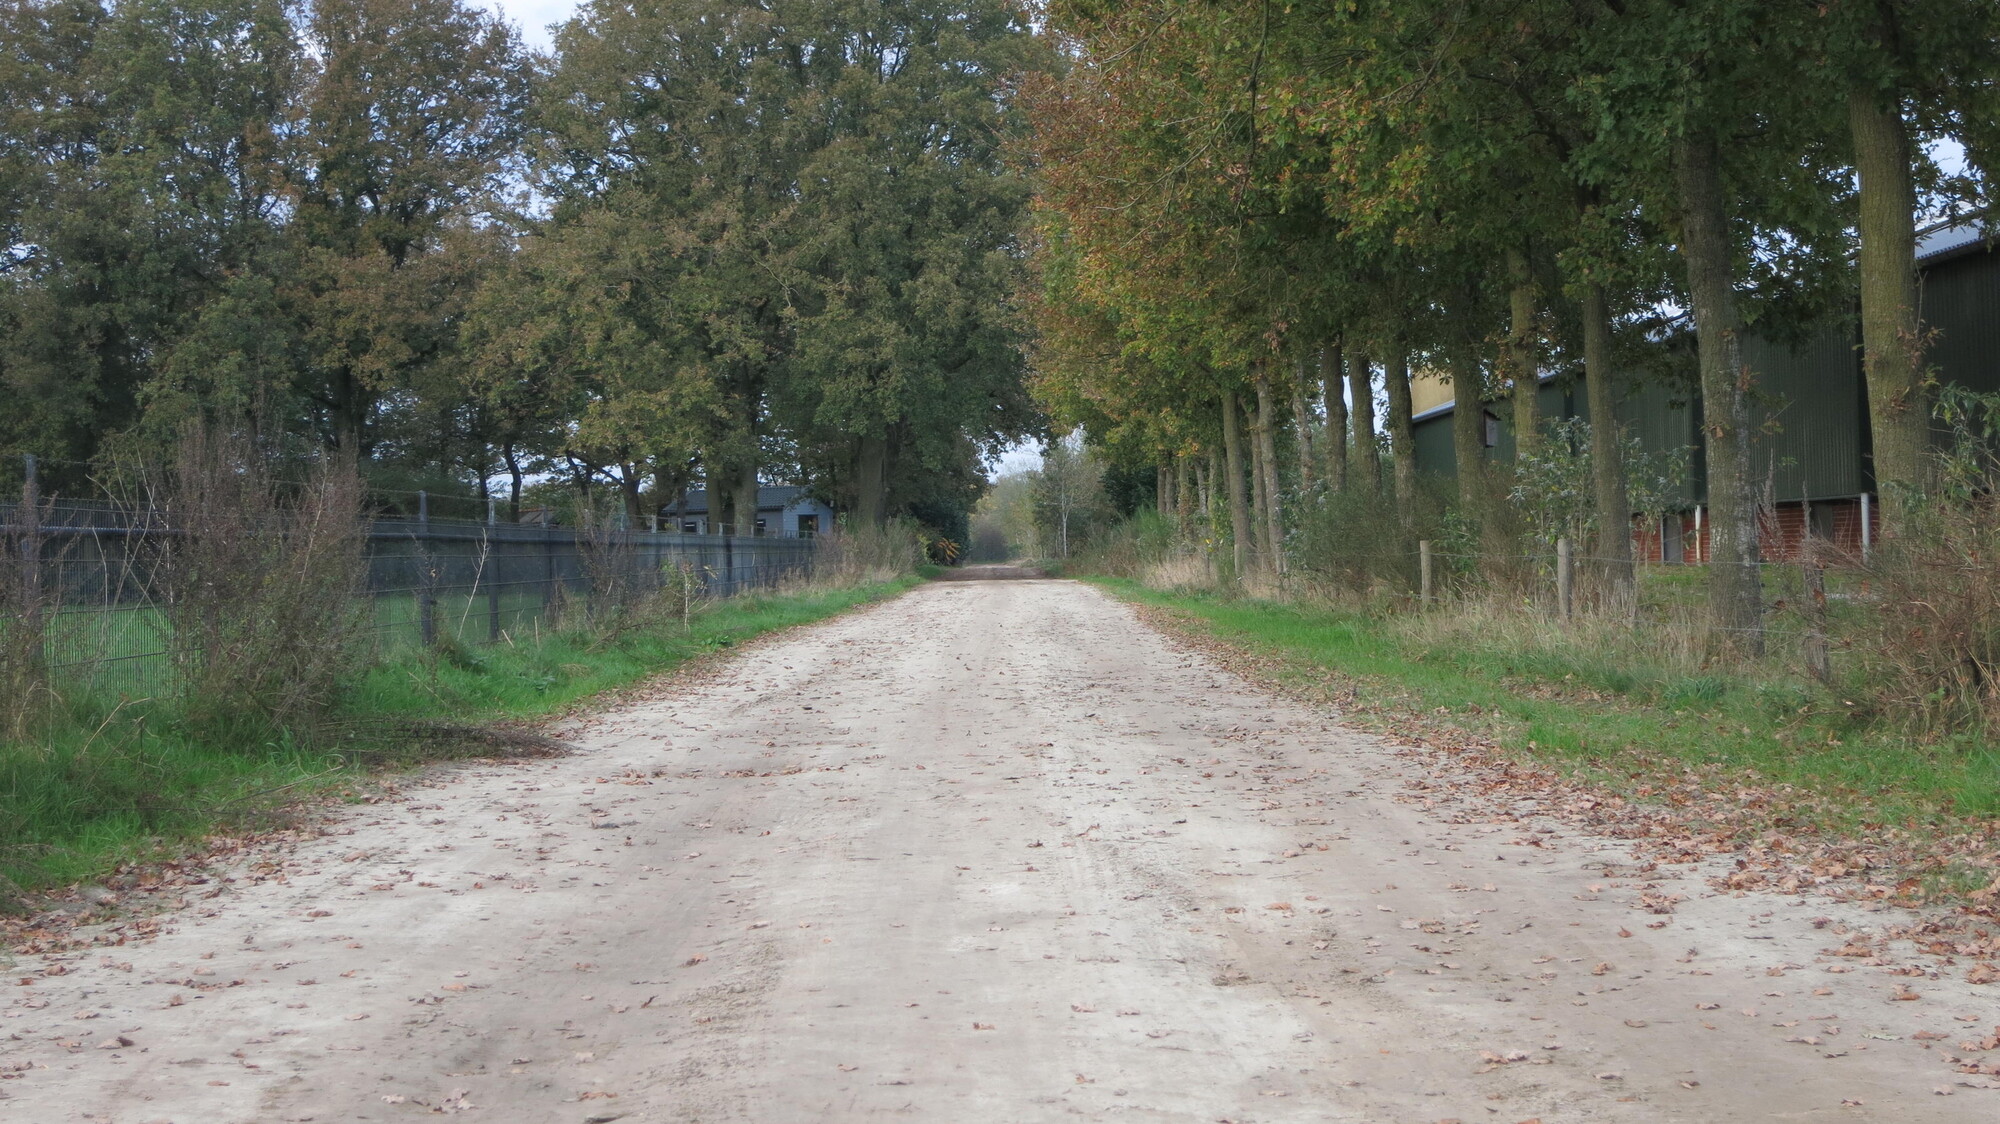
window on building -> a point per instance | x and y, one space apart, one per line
808 526
690 527
1670 538
1492 431
760 527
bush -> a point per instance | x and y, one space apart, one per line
1936 636
258 584
855 554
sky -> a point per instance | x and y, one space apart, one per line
534 16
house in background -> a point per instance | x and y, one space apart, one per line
785 511
1813 452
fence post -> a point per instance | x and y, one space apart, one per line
427 573
492 576
1565 577
1424 571
492 511
1818 661
549 587
30 520
1867 532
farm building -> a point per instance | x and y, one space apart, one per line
781 510
1813 452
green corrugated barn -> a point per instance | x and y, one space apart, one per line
1813 450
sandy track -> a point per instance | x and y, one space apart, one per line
992 852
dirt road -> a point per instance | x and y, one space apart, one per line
991 852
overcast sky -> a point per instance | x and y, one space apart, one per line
534 16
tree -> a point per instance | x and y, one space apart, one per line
1068 489
404 127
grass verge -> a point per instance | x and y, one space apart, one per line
112 783
1647 729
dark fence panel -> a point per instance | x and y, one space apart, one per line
92 567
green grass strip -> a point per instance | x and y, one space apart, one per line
1618 718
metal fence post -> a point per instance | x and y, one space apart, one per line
427 577
549 587
492 576
1565 576
30 520
1424 571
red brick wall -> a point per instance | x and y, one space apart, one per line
1780 532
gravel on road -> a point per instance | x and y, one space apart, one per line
990 852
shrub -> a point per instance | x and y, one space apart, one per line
258 584
1936 639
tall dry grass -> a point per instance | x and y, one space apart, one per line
258 583
857 554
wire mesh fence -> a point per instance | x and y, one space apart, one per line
85 580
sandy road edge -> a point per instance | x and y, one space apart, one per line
149 890
1786 862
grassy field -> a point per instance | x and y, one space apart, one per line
114 777
1608 702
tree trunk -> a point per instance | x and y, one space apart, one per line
745 487
1185 487
1302 425
1402 432
871 474
1267 454
1468 431
513 460
1163 490
1607 457
1891 339
1259 524
628 490
716 478
1331 379
1239 495
1735 591
1523 358
1361 416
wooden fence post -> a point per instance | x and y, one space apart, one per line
1565 577
1424 571
1818 660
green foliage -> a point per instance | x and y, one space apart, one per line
1552 483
